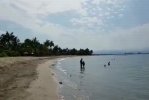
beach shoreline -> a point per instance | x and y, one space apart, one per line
44 87
28 78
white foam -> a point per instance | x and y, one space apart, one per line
64 71
61 69
61 97
61 59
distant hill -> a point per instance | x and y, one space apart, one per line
120 52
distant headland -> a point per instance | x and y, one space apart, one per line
120 52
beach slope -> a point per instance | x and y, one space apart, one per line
44 88
27 78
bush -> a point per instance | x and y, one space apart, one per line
3 54
15 53
12 53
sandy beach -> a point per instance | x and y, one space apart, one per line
27 78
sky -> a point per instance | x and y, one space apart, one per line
93 24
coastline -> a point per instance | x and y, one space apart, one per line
44 87
28 78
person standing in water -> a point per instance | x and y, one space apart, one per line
81 63
109 63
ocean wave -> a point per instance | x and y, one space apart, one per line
61 69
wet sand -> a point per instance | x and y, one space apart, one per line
44 88
27 78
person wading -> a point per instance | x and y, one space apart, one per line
81 63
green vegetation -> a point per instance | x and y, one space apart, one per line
10 45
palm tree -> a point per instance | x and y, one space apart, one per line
55 50
9 41
27 47
36 45
47 43
51 44
73 51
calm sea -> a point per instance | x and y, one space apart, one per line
127 78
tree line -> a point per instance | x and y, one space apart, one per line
10 45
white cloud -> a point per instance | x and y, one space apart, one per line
100 10
120 39
130 39
29 13
135 38
45 7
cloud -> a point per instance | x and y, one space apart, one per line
75 23
131 39
96 13
135 38
90 13
121 39
45 7
31 11
32 14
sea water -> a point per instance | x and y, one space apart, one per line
127 77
